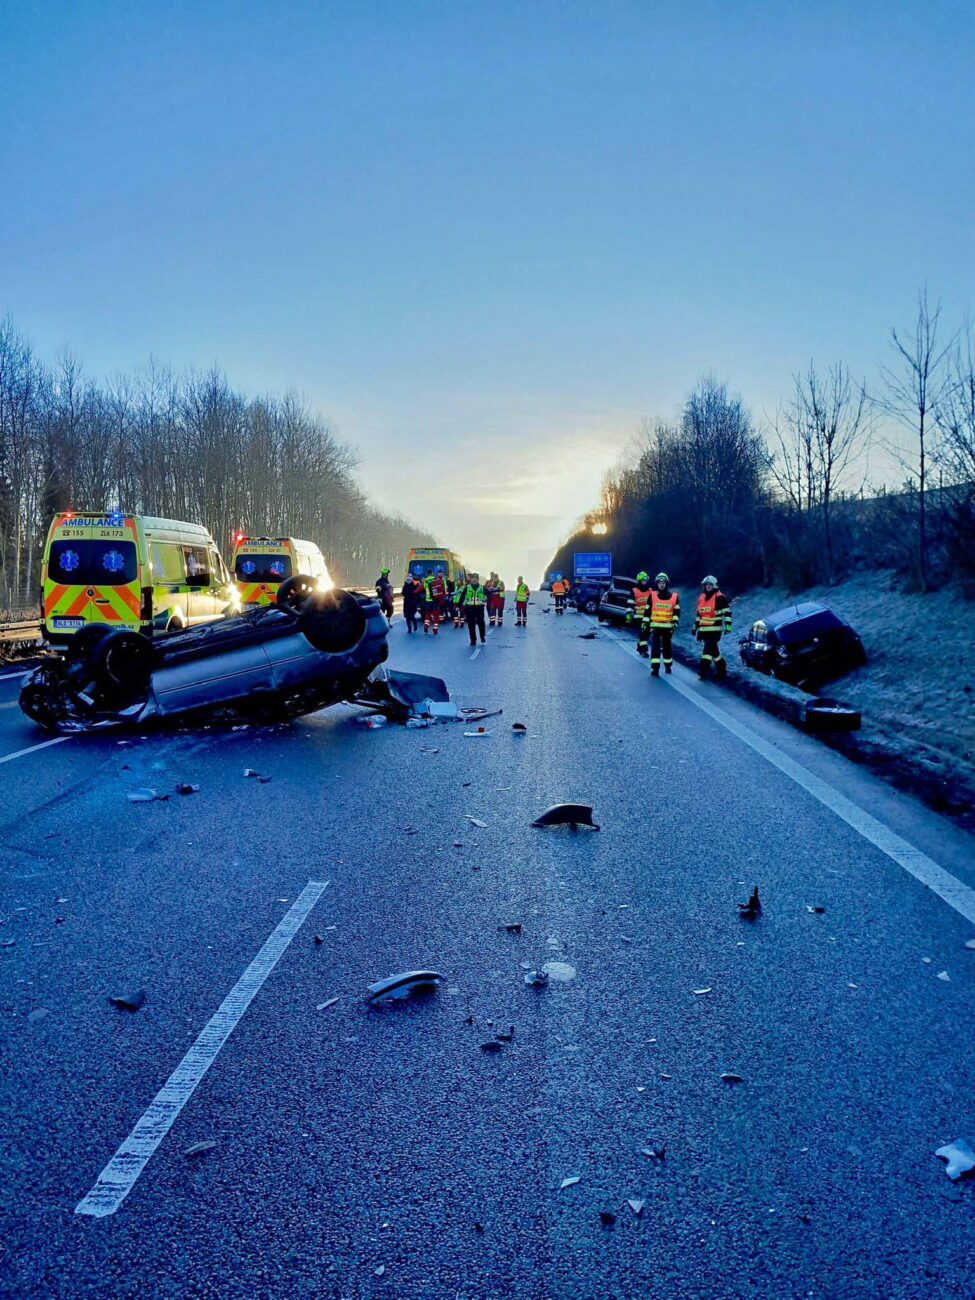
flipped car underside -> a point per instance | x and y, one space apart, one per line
310 650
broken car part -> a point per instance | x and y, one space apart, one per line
566 814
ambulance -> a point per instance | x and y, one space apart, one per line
133 571
424 560
261 564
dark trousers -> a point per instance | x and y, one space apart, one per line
475 623
410 614
711 654
660 643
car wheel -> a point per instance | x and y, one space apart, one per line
332 621
122 664
590 607
84 641
293 592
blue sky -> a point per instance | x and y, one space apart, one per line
485 239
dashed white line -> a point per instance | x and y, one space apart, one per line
476 653
118 1177
32 749
941 882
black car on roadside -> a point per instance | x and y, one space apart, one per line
586 594
615 599
804 644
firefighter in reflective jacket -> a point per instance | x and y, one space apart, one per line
637 607
712 622
522 593
660 620
434 589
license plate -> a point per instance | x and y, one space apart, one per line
67 624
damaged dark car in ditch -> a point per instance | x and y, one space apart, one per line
804 644
310 650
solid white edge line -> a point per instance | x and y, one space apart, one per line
118 1177
941 882
9 677
32 749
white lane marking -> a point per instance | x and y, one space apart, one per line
918 864
476 653
118 1177
9 677
32 749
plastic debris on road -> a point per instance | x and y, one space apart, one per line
959 1156
753 908
198 1148
817 910
323 1006
570 1182
944 976
373 722
635 1205
480 734
519 729
513 927
129 1001
699 993
438 709
475 821
559 971
566 814
537 979
730 1077
184 787
405 983
146 796
970 943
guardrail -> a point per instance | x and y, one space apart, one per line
26 630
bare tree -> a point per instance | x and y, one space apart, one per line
914 386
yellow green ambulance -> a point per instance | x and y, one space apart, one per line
261 564
133 571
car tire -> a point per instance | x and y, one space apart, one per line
294 591
589 607
82 644
122 665
332 621
822 714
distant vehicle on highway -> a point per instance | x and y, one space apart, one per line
307 651
424 560
804 644
588 592
261 564
137 572
615 599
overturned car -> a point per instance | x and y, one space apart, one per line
804 644
309 650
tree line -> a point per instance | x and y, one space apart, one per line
786 500
187 447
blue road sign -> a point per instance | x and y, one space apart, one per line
593 564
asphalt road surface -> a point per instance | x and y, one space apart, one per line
380 1151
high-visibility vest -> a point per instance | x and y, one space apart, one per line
664 610
475 596
640 598
558 588
521 591
709 617
500 587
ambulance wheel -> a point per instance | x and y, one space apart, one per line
333 621
293 592
122 664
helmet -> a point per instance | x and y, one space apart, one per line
709 581
383 571
662 577
643 576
